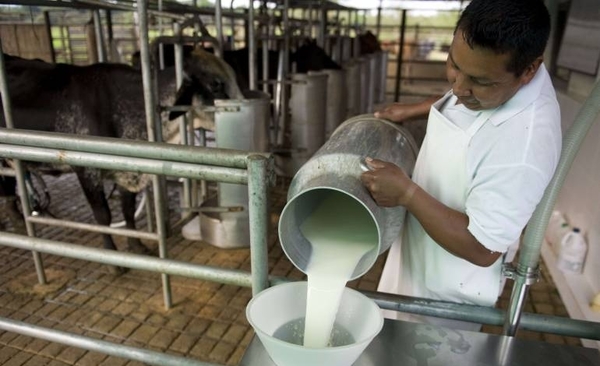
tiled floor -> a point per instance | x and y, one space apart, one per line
207 321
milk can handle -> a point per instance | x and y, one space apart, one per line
363 164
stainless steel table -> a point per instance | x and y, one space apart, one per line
407 344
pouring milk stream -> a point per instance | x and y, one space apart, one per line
341 232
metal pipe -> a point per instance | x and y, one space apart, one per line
279 130
130 148
322 25
265 64
161 230
549 54
49 33
105 161
400 56
219 24
183 121
105 5
93 228
110 36
516 304
286 64
99 36
484 315
97 345
20 172
154 133
149 218
378 26
534 233
161 50
147 74
259 217
252 47
128 260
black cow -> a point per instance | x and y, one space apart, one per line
308 57
107 100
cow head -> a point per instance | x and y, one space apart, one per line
206 78
311 57
369 43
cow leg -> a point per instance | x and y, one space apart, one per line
128 207
91 183
9 192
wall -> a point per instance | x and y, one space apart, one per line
27 41
579 198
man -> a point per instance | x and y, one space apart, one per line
491 147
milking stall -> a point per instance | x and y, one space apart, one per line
185 183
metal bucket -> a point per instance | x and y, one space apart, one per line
336 169
353 88
365 81
242 125
308 106
336 100
382 85
374 78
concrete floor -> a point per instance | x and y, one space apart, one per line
207 321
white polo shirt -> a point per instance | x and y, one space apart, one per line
510 160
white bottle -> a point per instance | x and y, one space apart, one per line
557 228
572 252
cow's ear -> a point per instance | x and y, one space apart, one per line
184 97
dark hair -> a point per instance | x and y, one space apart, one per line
519 27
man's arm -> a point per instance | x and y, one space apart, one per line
390 186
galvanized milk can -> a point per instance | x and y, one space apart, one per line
337 166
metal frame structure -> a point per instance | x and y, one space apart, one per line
255 170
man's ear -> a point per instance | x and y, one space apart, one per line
530 71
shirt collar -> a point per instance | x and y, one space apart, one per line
526 95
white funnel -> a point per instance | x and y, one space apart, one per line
358 321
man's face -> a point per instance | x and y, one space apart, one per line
479 77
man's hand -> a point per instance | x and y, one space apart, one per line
403 112
395 113
388 184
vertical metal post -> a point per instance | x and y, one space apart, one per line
285 68
110 36
400 55
252 46
265 63
219 24
183 122
161 48
337 53
258 216
37 258
549 54
523 278
322 24
148 206
378 29
99 36
151 122
49 32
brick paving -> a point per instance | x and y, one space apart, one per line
207 321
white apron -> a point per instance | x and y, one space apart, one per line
424 268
